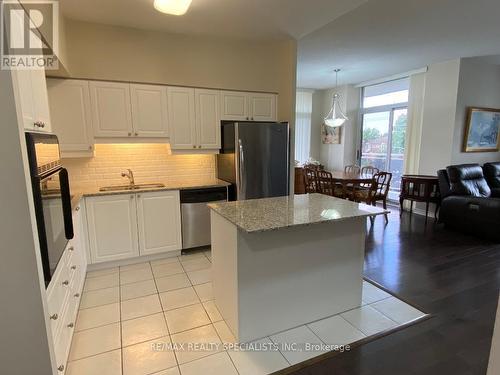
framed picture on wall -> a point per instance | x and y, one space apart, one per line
330 135
481 130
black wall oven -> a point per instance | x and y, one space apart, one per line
52 199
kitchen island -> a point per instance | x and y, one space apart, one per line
278 263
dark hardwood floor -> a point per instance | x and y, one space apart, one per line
450 275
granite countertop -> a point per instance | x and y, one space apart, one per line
258 215
78 193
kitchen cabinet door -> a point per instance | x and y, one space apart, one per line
262 107
69 102
112 227
234 106
181 118
159 222
207 118
30 86
149 110
111 109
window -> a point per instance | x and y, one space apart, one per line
303 126
384 119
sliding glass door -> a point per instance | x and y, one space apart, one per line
384 120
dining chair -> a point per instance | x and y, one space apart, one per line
378 191
351 169
369 170
310 180
327 185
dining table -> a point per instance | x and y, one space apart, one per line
350 177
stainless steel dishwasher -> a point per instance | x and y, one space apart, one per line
196 215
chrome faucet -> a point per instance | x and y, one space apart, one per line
130 176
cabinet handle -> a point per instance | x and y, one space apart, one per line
252 118
71 325
54 316
129 134
248 118
73 267
136 134
77 208
39 124
71 248
138 195
65 282
61 368
76 295
90 147
199 146
131 197
194 146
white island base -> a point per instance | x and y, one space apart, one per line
265 282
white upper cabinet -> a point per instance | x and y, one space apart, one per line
181 118
159 222
112 227
30 86
71 115
111 110
234 105
262 107
207 118
149 110
31 93
248 106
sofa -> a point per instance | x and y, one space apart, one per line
470 199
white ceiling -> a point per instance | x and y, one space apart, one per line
250 19
386 37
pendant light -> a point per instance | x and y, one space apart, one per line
175 7
335 117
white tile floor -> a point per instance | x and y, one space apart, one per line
133 320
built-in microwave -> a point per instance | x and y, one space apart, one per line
52 198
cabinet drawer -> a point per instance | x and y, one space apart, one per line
57 294
63 338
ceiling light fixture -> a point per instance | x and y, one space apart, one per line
175 7
335 117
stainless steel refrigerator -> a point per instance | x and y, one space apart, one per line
255 159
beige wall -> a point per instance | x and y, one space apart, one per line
336 156
118 53
438 119
479 86
150 163
96 51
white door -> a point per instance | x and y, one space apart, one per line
111 112
262 107
207 118
70 111
112 227
181 118
149 110
234 106
159 222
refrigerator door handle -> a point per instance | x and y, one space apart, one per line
241 169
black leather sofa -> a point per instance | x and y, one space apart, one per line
492 175
470 202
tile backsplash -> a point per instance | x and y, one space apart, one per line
149 162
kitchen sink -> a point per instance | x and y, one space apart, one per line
130 187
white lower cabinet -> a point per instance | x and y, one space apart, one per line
129 225
112 227
64 291
159 222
